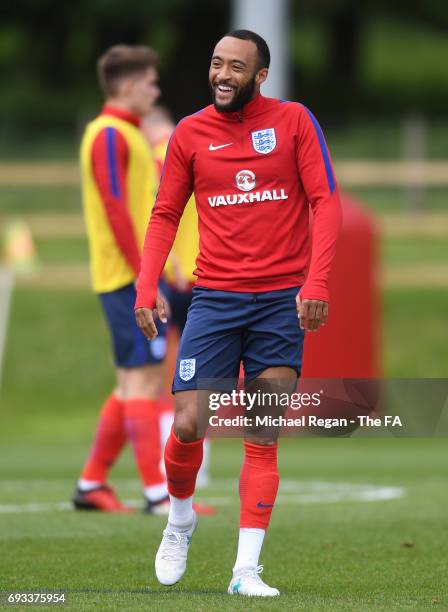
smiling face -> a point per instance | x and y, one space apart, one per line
235 76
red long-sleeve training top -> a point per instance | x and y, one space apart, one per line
254 175
110 157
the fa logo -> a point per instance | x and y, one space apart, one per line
264 141
187 369
245 180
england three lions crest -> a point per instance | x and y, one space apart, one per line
264 141
187 369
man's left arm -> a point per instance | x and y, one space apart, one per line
318 180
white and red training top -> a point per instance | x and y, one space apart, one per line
254 175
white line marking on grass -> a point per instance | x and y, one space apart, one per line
19 508
291 493
367 495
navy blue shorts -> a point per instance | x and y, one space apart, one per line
225 328
131 349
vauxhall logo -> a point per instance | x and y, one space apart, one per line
246 181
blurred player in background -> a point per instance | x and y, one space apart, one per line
119 180
157 128
256 166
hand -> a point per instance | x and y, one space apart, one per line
312 313
161 297
145 317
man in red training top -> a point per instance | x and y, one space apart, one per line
255 165
120 180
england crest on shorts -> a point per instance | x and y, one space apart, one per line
264 141
187 369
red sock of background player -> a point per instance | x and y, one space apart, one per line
258 489
182 463
109 440
141 418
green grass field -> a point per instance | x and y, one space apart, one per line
321 554
328 547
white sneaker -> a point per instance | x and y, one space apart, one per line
247 581
171 558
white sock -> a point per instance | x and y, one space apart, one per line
181 512
249 547
155 493
88 485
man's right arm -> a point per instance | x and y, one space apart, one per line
176 186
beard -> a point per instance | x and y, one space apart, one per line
242 96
